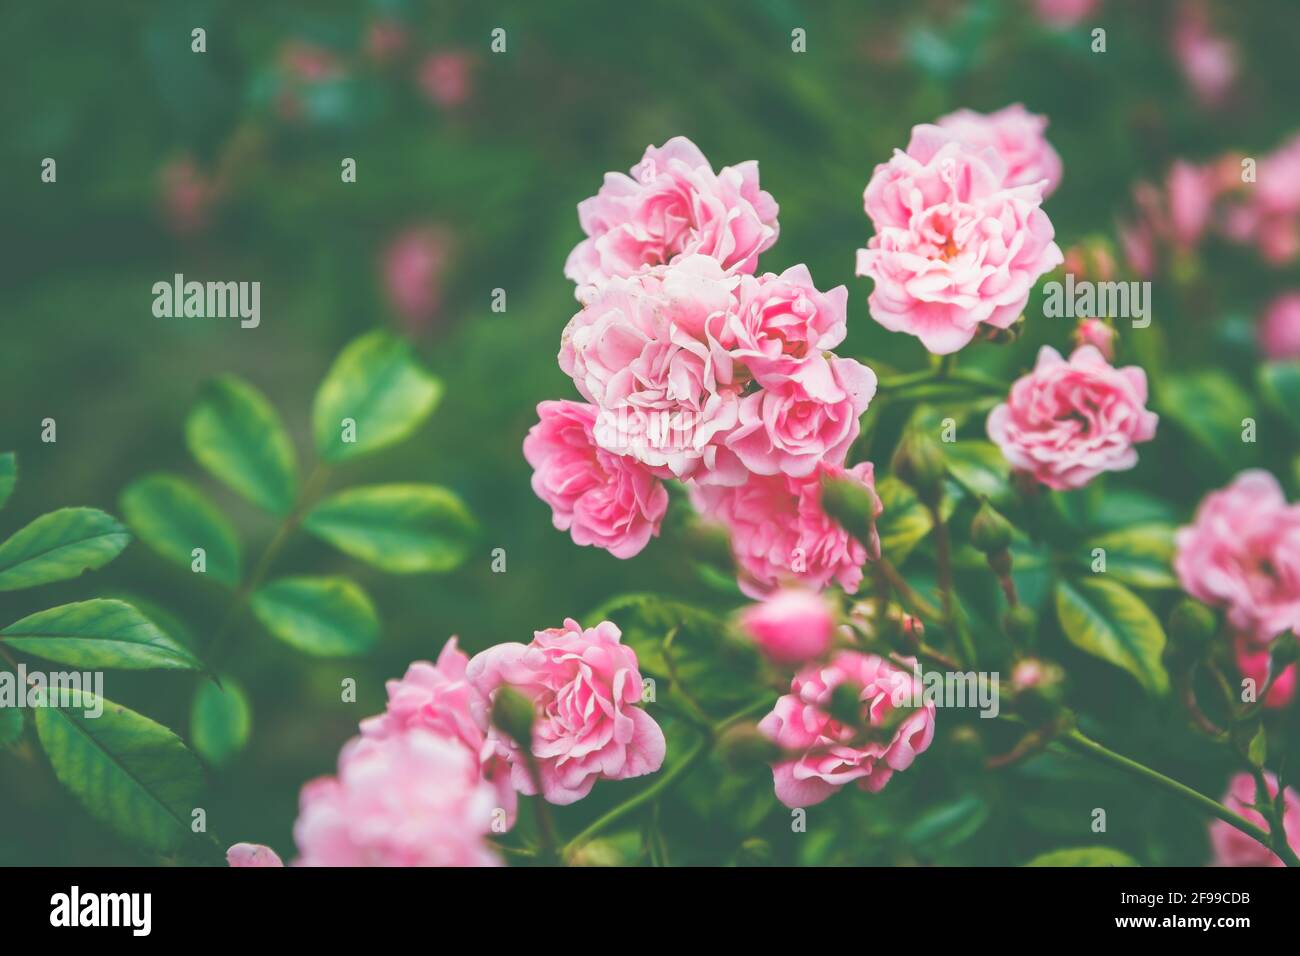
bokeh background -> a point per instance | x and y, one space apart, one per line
226 166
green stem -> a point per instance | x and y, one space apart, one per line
905 591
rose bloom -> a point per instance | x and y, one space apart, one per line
585 686
1191 191
1068 421
672 204
444 77
792 626
782 325
1253 662
780 532
1098 334
252 855
648 352
413 799
1279 328
1208 61
413 265
1017 136
439 698
826 754
1231 846
1242 552
955 248
600 498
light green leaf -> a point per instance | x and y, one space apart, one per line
131 773
1109 621
1210 407
1279 382
376 383
60 545
980 468
1084 856
8 475
173 518
99 634
402 529
11 725
1141 555
325 617
220 721
236 434
904 522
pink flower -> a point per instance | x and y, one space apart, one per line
648 351
1017 136
673 204
600 498
1098 334
252 855
780 532
413 266
439 698
792 626
1242 552
1279 329
782 325
1064 13
412 799
445 77
1208 61
586 686
827 754
1192 191
1253 662
1234 848
793 427
955 248
1067 422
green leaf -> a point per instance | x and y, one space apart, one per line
949 824
131 773
325 617
173 517
377 383
60 545
8 475
236 434
402 529
1121 507
1084 856
1109 621
904 522
1279 382
98 634
11 725
220 721
980 468
1210 407
1141 555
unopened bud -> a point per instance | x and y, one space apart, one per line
598 853
852 504
744 745
918 462
989 531
1284 652
1021 625
1192 624
846 704
512 714
1039 688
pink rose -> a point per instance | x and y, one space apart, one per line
1279 329
673 204
252 855
1067 422
1208 61
1098 334
586 687
1192 191
955 248
600 498
782 325
444 78
1234 848
413 799
1242 552
1253 662
826 754
793 427
649 352
413 265
792 626
439 698
1017 136
780 532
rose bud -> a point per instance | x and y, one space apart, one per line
792 626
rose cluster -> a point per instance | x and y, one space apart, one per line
694 368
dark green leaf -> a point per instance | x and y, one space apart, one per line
402 529
98 634
8 475
1279 382
1109 621
11 725
325 617
60 545
173 518
1210 407
220 721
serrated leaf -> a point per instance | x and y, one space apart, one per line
402 529
1279 382
376 383
99 634
1109 621
237 435
131 773
173 518
11 725
1084 856
1141 556
325 617
220 721
8 475
60 545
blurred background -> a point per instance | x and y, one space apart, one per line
226 166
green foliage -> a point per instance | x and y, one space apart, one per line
58 546
221 721
173 518
11 726
98 635
1140 555
402 529
325 617
8 475
1210 407
1084 856
1107 620
1279 383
